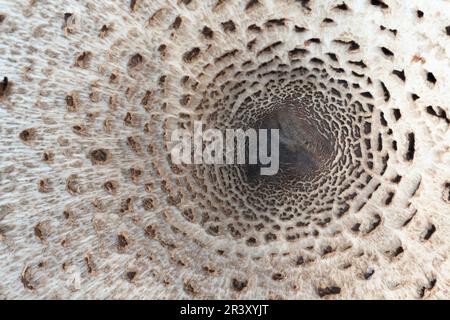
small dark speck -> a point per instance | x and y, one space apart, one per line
431 78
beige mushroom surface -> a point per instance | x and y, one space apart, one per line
93 207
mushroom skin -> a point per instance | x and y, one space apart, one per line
92 207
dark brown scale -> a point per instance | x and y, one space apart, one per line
228 26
